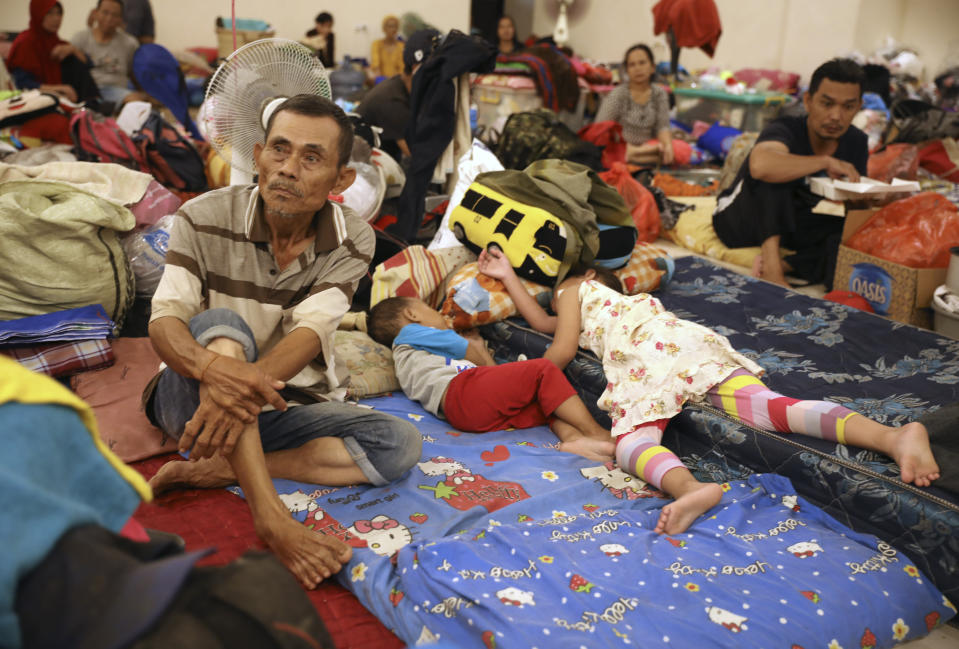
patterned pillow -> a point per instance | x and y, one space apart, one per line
370 364
417 272
648 268
473 299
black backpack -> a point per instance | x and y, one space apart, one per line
172 159
535 135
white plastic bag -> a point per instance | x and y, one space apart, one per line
146 250
477 159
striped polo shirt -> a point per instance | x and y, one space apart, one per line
219 256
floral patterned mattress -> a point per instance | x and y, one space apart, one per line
500 540
815 349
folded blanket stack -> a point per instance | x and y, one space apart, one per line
60 343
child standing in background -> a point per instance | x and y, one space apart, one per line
655 362
456 378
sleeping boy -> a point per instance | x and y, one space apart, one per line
455 377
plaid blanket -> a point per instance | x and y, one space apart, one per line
63 359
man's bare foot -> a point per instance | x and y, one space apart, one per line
310 556
772 276
592 449
757 270
913 455
202 474
678 515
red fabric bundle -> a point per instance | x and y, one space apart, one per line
941 157
916 232
607 135
695 23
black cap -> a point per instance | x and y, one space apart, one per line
419 46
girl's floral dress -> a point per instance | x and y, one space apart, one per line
654 362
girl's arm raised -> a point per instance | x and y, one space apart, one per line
493 263
566 337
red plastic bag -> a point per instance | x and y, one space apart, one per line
916 232
895 161
609 136
639 200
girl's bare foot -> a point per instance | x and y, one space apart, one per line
757 270
678 515
912 453
592 449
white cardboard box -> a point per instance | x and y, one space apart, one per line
839 190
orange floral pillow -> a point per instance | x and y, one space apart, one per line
648 269
473 299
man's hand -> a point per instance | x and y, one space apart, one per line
493 263
211 430
241 388
840 169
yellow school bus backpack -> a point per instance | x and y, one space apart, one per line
535 242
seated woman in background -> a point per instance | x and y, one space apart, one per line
642 109
506 41
321 39
386 54
40 59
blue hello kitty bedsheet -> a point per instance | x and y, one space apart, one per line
500 540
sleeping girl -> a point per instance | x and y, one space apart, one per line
655 362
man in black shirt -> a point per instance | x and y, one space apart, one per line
387 104
770 205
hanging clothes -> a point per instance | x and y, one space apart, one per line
433 118
695 23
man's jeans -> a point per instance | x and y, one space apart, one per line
383 446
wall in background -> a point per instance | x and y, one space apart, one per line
188 23
794 35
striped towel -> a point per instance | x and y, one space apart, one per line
417 272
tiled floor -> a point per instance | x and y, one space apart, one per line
943 638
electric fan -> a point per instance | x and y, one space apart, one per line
246 89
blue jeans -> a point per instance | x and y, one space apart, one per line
384 447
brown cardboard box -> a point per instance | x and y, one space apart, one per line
895 291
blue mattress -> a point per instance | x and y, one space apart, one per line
813 349
500 540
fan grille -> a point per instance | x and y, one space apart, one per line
243 85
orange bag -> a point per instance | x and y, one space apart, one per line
916 232
895 161
639 200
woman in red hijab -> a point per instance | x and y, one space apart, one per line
40 59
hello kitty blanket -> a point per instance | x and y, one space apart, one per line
500 540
